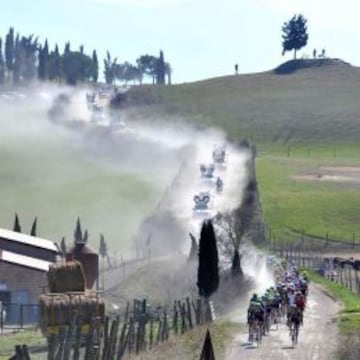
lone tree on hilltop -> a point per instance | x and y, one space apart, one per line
208 270
295 34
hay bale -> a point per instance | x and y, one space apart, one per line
66 277
59 309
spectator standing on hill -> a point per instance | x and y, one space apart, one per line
236 69
314 54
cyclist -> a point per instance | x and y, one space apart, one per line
304 287
256 309
300 304
305 276
293 315
255 313
291 296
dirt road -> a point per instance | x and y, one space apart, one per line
317 338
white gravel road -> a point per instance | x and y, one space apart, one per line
317 338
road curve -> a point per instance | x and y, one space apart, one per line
317 339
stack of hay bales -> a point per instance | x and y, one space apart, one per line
66 277
67 298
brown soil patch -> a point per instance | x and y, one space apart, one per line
339 174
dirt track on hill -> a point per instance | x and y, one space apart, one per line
317 338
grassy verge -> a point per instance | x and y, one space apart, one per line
8 342
189 345
349 317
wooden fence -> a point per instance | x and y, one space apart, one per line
136 330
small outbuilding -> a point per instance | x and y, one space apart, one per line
89 260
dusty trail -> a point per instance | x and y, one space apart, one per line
317 338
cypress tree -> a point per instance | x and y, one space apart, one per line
78 237
57 71
45 60
208 270
9 49
102 246
33 227
67 48
85 237
95 72
2 64
63 246
16 67
41 66
160 69
17 226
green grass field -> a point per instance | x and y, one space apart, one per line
314 207
299 122
31 338
58 182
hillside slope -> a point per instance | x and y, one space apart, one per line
316 105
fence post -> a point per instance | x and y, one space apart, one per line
113 338
1 319
189 313
175 319
21 315
151 333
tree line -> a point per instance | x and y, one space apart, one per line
24 58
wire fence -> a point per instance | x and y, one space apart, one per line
15 316
344 271
288 238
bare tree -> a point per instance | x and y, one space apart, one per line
231 227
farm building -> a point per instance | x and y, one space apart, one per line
24 263
27 245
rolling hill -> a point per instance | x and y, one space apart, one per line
304 120
316 104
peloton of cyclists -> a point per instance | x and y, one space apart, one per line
288 298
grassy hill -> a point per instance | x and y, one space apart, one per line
301 122
317 105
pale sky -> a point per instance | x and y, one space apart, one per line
200 38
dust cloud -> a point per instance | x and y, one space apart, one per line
134 181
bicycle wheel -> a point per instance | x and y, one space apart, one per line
251 332
296 333
292 334
258 334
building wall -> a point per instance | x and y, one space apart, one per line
17 277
